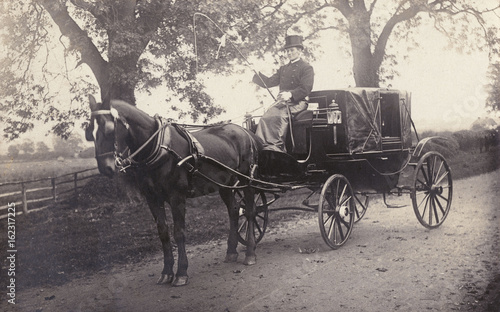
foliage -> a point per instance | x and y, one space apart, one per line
493 88
13 151
122 47
42 148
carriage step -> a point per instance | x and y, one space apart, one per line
390 205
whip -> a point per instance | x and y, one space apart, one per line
222 43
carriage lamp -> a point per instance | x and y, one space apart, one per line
333 114
248 121
334 117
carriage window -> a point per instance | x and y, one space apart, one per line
390 115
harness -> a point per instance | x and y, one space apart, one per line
161 149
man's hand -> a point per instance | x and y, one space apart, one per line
285 96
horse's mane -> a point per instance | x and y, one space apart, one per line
132 113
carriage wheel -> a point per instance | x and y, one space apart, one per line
432 190
362 201
261 216
336 211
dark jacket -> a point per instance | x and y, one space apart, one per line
297 78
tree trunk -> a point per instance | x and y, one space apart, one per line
364 69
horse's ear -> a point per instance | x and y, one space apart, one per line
89 132
93 103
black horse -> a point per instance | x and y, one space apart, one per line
163 159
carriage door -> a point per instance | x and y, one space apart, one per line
390 120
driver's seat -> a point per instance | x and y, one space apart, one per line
300 123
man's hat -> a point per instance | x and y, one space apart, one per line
293 41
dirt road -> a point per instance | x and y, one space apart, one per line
390 263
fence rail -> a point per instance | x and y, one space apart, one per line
59 188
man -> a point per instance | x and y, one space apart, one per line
295 81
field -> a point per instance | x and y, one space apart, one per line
108 223
23 171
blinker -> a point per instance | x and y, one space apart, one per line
89 131
109 127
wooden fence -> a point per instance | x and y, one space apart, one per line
35 195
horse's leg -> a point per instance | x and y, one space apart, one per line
158 210
178 206
250 257
232 241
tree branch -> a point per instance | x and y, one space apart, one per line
97 11
78 38
379 50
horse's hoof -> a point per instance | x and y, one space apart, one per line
250 260
231 258
165 279
180 281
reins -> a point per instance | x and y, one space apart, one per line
125 163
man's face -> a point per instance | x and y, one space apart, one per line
293 53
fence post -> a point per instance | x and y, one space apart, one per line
25 200
54 195
76 179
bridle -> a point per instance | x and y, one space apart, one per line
121 161
118 156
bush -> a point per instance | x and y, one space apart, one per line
468 140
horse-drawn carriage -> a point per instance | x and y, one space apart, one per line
351 144
348 145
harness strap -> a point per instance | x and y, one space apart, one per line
194 150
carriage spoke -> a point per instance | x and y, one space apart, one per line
344 222
331 203
440 206
343 203
257 226
433 169
426 197
430 165
337 211
341 196
444 175
426 204
434 208
243 225
328 219
259 219
438 172
436 199
331 227
424 174
341 232
444 198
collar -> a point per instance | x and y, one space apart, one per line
295 61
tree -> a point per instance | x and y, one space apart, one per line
493 88
138 45
127 45
13 151
67 147
42 148
28 147
374 28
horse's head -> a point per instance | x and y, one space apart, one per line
104 140
112 137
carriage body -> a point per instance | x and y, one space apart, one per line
361 133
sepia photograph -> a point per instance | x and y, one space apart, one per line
250 155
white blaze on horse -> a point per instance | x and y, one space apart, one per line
167 166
